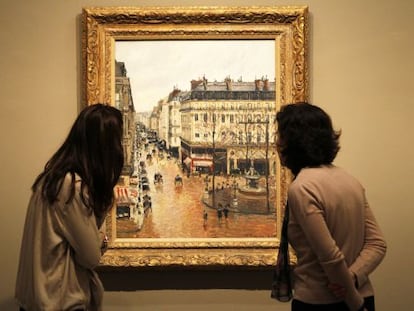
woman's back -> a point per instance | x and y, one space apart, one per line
56 262
328 214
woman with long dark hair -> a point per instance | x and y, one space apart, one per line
62 242
331 227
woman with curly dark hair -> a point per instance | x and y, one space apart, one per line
331 227
62 242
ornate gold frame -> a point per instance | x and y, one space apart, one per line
288 26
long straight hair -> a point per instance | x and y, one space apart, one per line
93 151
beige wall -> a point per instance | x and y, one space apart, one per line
361 73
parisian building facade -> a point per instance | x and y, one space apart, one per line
229 126
222 126
124 102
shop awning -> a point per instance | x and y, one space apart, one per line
187 161
202 163
125 195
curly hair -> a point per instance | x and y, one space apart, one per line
306 137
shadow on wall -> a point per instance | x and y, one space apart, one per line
132 280
8 304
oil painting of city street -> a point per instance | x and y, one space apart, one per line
199 154
199 89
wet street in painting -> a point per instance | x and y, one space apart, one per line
184 211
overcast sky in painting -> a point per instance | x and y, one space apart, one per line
155 68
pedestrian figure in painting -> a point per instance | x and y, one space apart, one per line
205 217
178 180
147 204
226 210
62 239
219 211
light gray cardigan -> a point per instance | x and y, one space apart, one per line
60 247
334 234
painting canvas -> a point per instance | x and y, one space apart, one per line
176 189
199 89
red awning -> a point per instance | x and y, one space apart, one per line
125 195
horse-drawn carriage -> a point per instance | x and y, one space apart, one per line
158 178
144 183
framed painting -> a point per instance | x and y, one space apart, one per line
199 88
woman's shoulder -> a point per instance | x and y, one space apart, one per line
70 179
313 173
71 182
312 176
320 172
324 176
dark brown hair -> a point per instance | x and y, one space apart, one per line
306 136
92 150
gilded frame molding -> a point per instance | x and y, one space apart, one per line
102 26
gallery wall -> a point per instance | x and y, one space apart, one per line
361 72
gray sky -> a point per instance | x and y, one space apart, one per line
156 67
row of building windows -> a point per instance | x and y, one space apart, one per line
227 105
232 95
241 138
214 117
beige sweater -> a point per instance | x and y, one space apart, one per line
60 247
334 234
